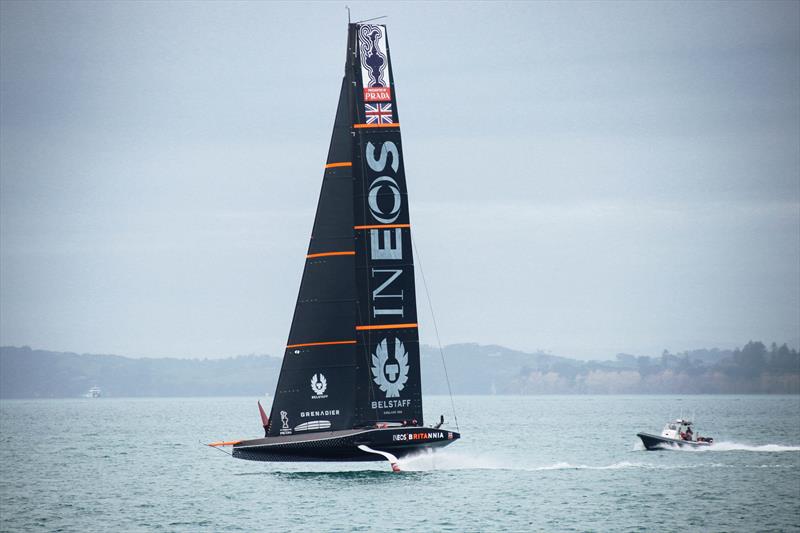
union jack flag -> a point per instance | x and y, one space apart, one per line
378 113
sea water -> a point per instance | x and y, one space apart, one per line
551 463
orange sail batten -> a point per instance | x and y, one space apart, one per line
341 164
387 326
326 254
379 226
326 343
390 125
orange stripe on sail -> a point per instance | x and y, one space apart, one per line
328 343
379 226
390 125
326 254
226 443
387 326
337 165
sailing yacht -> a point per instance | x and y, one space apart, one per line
350 386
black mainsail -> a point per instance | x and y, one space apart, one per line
351 370
352 359
389 386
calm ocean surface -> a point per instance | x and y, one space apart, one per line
554 463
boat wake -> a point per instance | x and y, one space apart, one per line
614 466
724 446
447 460
626 465
455 461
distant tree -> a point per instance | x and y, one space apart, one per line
751 360
626 360
784 360
668 360
645 366
684 365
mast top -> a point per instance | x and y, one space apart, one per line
368 20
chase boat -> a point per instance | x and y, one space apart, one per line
675 434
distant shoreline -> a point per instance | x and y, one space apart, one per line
473 369
427 396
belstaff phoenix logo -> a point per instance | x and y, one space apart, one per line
390 375
319 384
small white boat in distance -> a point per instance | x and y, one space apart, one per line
94 392
678 433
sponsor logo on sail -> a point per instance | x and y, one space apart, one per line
324 412
285 430
319 385
385 204
382 185
390 373
390 404
378 113
374 63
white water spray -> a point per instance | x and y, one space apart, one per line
724 446
452 460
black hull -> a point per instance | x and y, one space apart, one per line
655 442
343 445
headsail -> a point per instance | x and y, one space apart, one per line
316 387
352 358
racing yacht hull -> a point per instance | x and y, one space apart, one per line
344 445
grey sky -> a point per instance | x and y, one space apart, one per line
585 178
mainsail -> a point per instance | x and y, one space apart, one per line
352 359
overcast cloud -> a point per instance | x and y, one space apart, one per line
585 178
